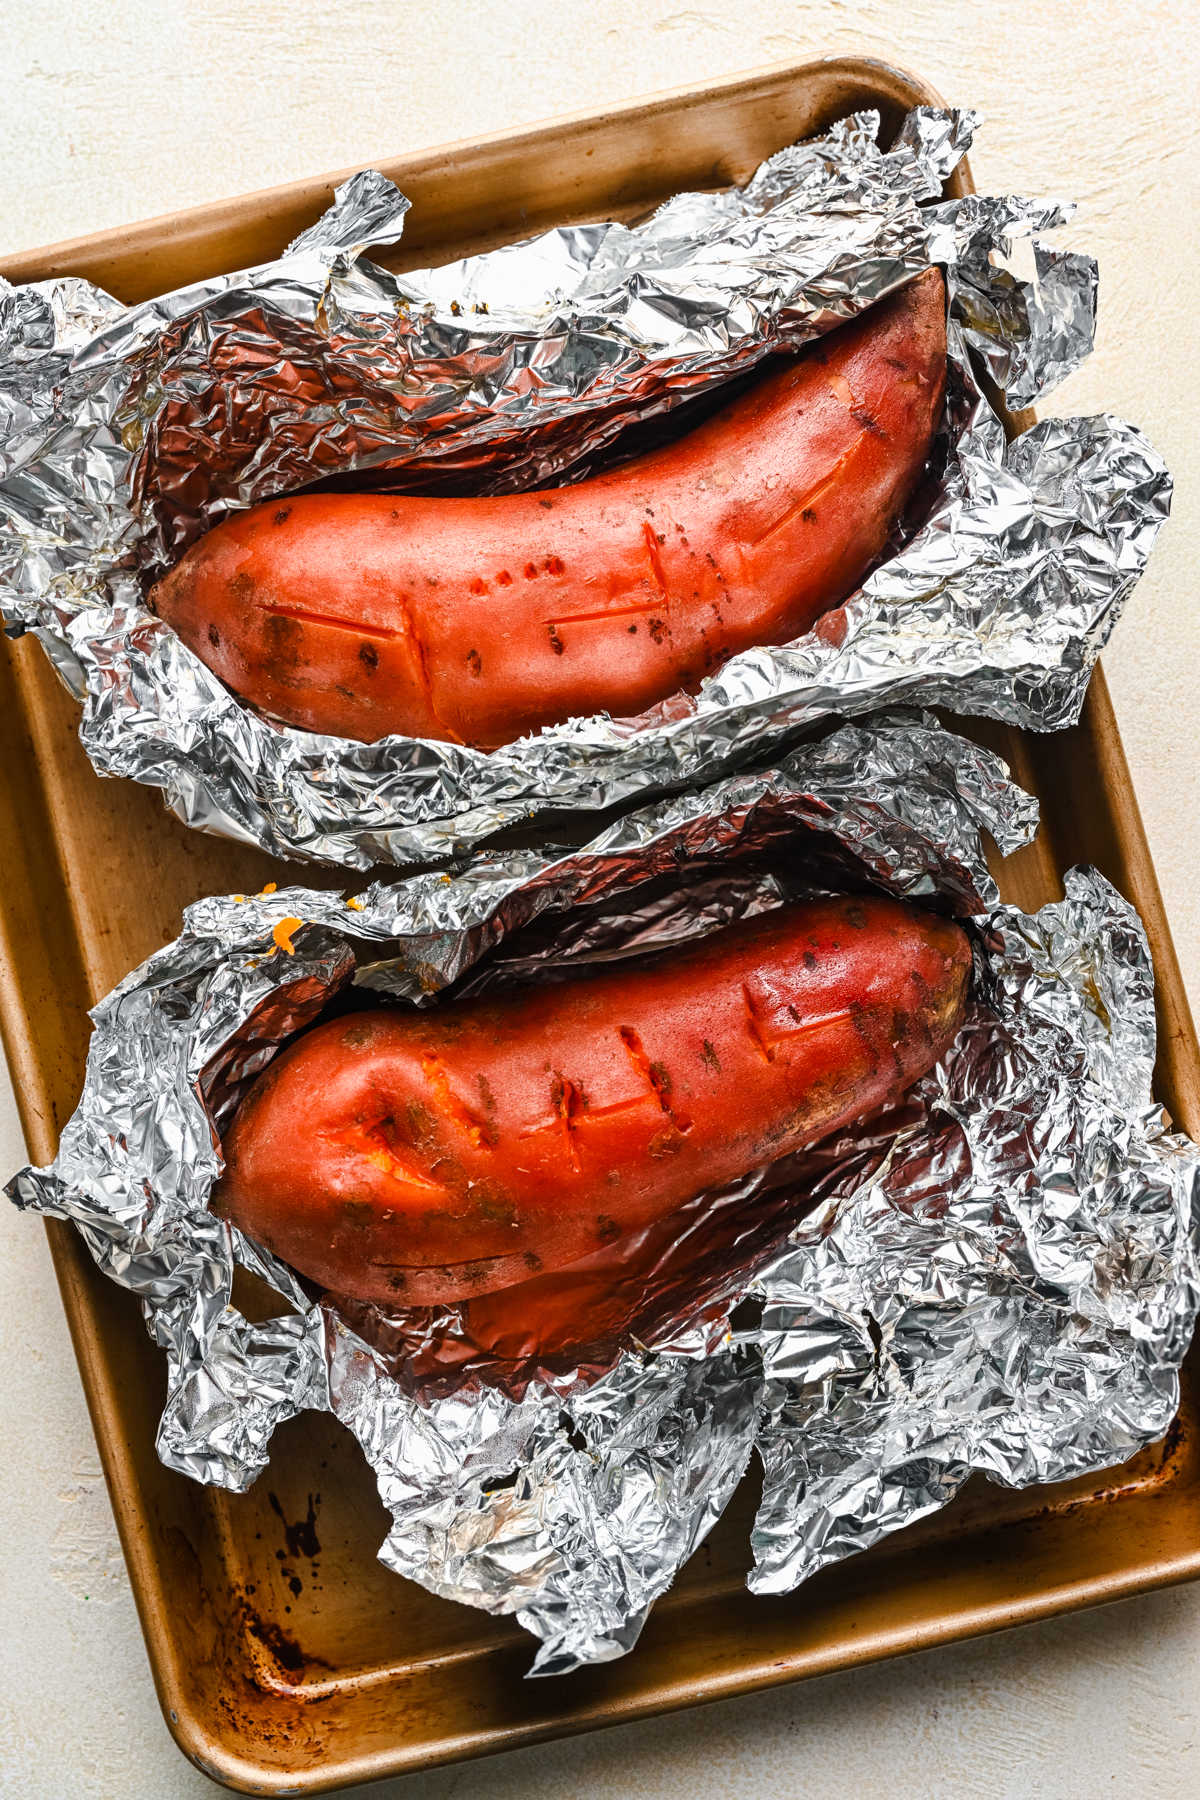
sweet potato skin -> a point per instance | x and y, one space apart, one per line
478 620
423 1157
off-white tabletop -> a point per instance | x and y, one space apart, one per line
113 112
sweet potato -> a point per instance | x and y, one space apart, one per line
476 620
418 1157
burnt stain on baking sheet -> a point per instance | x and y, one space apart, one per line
279 1646
301 1538
262 1694
302 1544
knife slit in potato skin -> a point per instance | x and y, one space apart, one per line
478 620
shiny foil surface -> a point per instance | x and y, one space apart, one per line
999 1274
127 432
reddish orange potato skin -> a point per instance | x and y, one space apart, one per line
416 1158
477 620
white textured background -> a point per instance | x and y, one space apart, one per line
112 112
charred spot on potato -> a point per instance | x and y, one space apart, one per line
862 417
475 662
284 640
368 656
214 637
422 1125
657 630
282 515
493 1204
556 643
607 1229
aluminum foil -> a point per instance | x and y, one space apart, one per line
126 432
999 1274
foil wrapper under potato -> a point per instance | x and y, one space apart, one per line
127 432
1000 1274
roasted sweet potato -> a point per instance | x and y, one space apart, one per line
477 620
417 1157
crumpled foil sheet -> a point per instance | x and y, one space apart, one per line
126 432
999 1274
